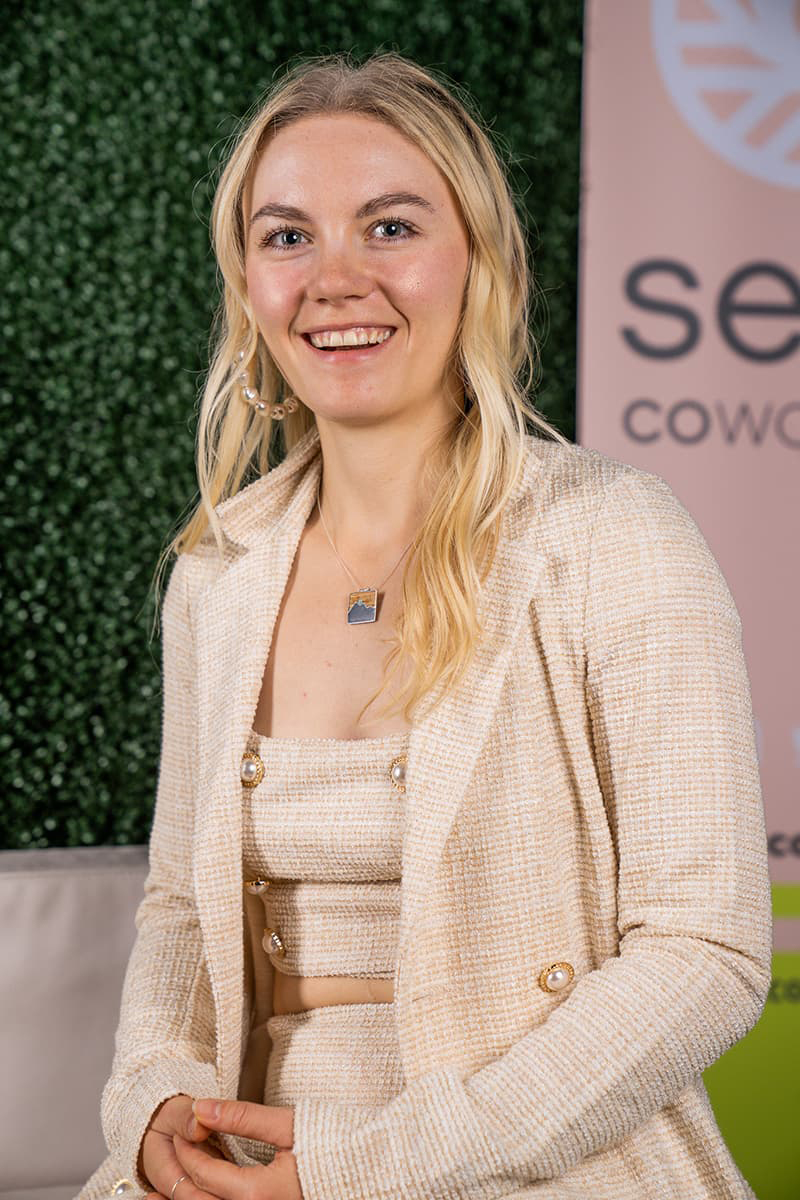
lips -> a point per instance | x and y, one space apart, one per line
345 328
313 336
352 354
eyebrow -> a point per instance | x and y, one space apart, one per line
288 212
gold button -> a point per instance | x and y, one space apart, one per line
121 1187
256 886
272 943
252 769
556 976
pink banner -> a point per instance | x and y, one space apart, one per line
689 319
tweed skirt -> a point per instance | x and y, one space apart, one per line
341 1052
348 1053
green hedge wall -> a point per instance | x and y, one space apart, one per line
113 123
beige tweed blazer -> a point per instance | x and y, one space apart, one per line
588 796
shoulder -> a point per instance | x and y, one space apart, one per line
570 488
572 469
614 530
246 518
622 536
191 572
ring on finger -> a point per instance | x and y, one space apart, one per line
175 1184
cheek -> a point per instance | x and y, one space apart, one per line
272 294
434 289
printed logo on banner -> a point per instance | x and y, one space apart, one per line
732 69
689 324
780 844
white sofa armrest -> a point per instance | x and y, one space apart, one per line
66 933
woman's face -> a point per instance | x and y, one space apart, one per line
350 225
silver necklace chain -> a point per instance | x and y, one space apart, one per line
338 555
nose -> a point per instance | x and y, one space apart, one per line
338 273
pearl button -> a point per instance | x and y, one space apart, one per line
272 943
556 976
121 1187
397 772
252 769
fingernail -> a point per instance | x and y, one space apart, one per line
206 1110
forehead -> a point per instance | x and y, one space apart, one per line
343 158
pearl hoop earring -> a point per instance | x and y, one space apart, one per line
252 397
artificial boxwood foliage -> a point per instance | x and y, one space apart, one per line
114 119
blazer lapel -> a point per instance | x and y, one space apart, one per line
444 748
234 623
235 620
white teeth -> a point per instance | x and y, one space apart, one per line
360 336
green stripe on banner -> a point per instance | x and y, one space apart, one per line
754 1093
786 900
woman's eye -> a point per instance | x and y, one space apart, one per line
269 238
394 223
396 231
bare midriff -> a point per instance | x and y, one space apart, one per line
298 993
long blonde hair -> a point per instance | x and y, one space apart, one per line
494 351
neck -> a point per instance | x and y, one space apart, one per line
376 489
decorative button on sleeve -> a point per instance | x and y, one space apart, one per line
556 976
122 1187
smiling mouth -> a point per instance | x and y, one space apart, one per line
345 350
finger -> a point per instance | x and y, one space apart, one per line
182 1121
224 1180
261 1122
210 1149
163 1169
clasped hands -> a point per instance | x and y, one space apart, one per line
174 1146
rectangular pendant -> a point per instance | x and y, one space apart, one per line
362 606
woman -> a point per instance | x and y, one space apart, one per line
492 935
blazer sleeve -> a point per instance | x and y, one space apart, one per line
165 1040
669 710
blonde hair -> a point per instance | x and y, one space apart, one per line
494 352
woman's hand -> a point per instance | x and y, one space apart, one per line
277 1180
158 1161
